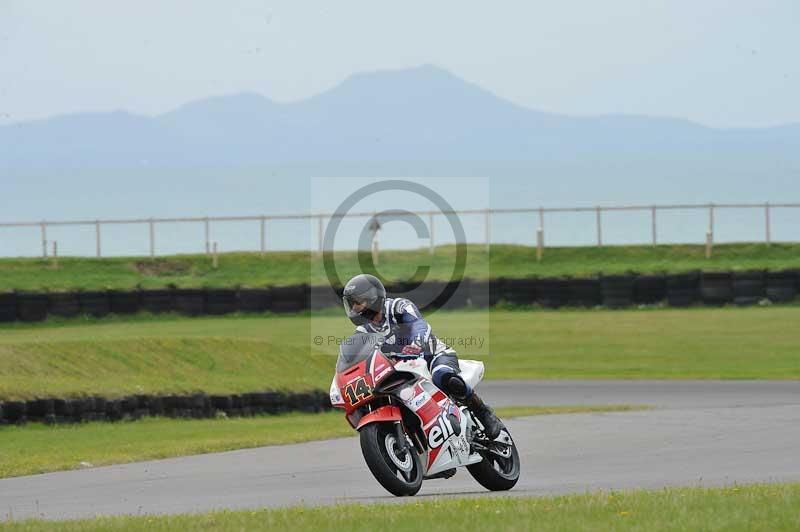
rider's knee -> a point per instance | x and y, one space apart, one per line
452 384
439 374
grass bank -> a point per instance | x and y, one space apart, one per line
770 507
36 448
233 354
287 268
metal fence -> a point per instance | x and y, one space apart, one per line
50 248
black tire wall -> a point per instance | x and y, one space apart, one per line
197 405
613 291
8 307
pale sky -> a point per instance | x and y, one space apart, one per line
718 62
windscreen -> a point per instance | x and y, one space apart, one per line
357 348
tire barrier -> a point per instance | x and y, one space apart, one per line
519 291
8 307
495 290
650 289
716 288
157 301
95 304
289 298
222 301
425 295
124 302
782 287
617 290
551 293
31 307
14 412
585 292
682 289
321 297
197 406
63 305
613 291
189 302
480 293
460 294
749 288
256 300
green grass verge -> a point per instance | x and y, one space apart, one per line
246 353
36 448
286 268
771 507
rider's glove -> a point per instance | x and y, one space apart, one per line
412 349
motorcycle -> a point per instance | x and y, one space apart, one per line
409 429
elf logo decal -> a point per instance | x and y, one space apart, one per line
419 401
440 432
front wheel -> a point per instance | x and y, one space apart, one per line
499 469
398 470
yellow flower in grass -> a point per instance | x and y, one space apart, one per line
623 513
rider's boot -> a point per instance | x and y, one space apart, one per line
459 389
491 423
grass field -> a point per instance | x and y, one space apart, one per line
736 508
286 268
36 448
232 354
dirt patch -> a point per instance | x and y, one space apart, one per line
163 268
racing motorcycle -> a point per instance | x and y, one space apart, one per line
409 429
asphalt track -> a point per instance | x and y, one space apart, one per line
700 433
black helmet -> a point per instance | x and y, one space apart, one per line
363 289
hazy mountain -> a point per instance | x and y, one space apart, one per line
420 114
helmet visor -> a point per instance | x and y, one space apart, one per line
357 304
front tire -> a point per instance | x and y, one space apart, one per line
495 472
400 472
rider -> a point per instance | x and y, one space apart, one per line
408 335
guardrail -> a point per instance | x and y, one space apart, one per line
321 218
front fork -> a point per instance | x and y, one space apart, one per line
402 441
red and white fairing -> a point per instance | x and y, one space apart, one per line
443 422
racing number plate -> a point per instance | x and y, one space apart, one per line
357 391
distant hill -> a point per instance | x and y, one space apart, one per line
419 114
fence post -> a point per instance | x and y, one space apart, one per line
214 263
430 225
539 244
541 218
375 251
653 224
709 243
319 232
55 253
599 228
97 237
208 234
43 229
152 239
488 230
768 234
263 235
711 218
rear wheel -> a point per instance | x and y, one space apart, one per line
500 467
398 470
